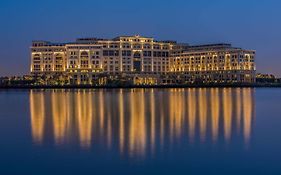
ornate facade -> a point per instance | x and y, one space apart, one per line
143 60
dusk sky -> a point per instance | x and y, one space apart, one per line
251 24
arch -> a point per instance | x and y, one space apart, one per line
84 54
137 55
58 55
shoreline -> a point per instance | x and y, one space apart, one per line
140 86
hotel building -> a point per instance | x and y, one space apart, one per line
142 60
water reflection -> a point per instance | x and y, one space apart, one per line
37 110
139 121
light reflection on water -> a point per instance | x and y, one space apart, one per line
140 121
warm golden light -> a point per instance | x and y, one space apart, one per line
176 101
157 61
60 116
37 111
227 113
121 122
203 109
141 120
215 111
192 106
238 109
152 120
247 114
137 131
84 115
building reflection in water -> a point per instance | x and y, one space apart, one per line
37 110
140 121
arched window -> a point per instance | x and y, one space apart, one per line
58 56
84 54
36 57
137 55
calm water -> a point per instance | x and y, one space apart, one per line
152 131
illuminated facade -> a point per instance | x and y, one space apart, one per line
215 63
143 60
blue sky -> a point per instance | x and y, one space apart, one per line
251 24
